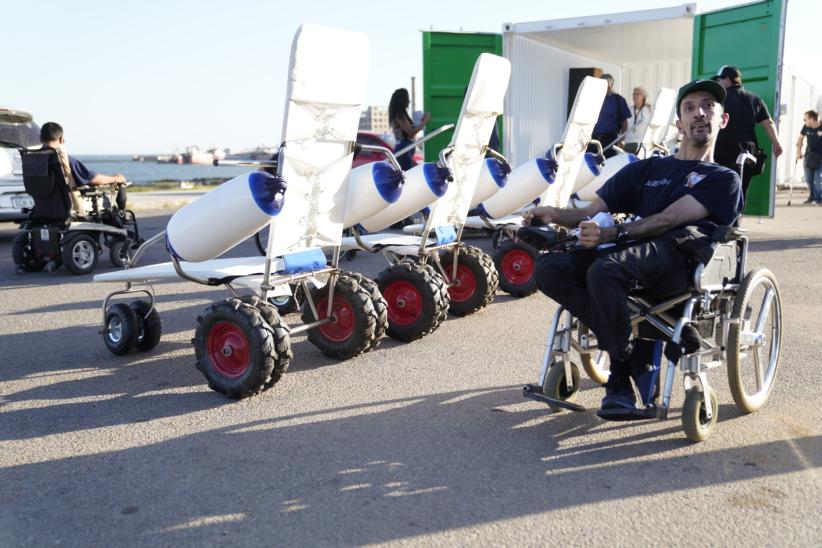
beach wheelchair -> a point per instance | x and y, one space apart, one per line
55 234
737 313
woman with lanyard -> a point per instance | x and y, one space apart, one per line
402 125
641 117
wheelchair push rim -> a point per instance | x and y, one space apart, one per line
754 340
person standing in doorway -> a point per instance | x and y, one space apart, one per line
638 123
812 156
613 118
745 111
402 125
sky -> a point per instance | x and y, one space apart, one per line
156 76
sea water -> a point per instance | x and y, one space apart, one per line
143 173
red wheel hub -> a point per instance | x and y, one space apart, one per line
404 302
343 322
228 349
466 283
517 266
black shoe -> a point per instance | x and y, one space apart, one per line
808 201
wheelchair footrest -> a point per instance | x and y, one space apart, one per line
534 392
625 414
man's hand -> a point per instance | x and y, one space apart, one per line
590 235
540 213
777 149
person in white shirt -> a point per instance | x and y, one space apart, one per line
640 118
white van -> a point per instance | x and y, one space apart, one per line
16 129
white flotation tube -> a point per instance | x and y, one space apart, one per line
225 216
494 176
525 183
423 185
612 165
371 188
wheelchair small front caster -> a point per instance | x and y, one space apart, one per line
695 421
556 387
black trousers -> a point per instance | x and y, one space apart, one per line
726 153
594 285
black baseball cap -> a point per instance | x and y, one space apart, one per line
727 71
712 87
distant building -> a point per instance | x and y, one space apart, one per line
374 118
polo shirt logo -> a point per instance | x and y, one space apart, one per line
692 179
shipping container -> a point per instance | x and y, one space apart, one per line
654 48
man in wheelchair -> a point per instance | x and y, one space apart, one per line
60 229
678 202
76 173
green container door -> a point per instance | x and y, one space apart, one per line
749 37
447 62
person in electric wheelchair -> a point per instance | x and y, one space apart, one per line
678 201
61 229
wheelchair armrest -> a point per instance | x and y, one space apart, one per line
728 234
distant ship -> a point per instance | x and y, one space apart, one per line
193 155
258 153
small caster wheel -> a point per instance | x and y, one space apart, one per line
695 422
118 253
555 386
121 329
150 326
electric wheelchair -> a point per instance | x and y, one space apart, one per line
737 313
56 235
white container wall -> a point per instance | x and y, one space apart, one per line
650 48
798 95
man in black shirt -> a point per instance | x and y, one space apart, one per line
745 110
679 200
813 155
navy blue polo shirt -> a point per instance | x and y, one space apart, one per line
649 186
614 111
82 174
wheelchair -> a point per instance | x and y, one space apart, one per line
737 313
56 235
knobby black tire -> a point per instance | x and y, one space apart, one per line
150 327
434 292
363 335
262 349
380 306
282 339
481 266
509 286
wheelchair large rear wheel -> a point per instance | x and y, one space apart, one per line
353 326
476 281
596 363
235 348
695 422
515 261
80 253
556 386
754 340
417 299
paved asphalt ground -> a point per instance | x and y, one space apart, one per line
428 443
